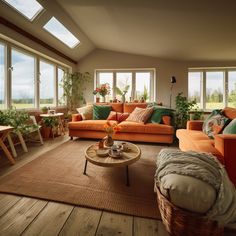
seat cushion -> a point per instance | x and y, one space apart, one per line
188 192
95 125
149 128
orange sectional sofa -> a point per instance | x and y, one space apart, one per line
223 146
130 131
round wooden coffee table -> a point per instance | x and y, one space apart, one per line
127 158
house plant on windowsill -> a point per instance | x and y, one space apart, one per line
122 92
110 129
103 90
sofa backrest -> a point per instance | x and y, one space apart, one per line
129 107
229 112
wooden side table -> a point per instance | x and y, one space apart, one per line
4 133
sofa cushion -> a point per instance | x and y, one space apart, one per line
86 112
94 125
129 107
217 120
230 128
140 115
101 112
149 128
158 113
118 116
188 192
229 112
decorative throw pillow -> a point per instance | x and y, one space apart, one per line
86 112
158 113
230 128
118 116
101 112
216 120
213 113
140 115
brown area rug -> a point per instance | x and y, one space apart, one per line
58 176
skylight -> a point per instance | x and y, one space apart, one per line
58 30
28 8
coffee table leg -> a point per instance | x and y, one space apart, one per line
127 175
85 167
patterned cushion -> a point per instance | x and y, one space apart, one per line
215 124
140 115
118 116
101 112
86 112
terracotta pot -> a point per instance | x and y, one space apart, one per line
46 131
97 100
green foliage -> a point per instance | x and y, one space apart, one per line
73 85
196 114
145 93
44 109
18 119
122 91
182 106
50 121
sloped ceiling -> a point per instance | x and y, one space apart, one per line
179 30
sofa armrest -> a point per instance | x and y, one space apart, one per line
225 144
76 117
195 124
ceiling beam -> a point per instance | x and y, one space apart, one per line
14 27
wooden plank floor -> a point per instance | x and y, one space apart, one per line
29 216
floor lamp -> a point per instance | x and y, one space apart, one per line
173 81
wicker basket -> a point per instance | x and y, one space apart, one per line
179 222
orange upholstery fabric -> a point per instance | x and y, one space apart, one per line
118 107
149 128
229 112
223 145
166 120
194 124
129 107
95 125
76 117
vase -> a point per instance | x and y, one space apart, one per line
108 140
123 98
97 99
103 98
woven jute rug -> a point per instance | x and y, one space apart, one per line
58 176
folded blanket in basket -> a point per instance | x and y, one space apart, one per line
207 168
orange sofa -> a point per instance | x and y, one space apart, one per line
130 131
223 146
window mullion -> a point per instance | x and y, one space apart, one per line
114 84
226 88
37 83
9 76
203 90
133 92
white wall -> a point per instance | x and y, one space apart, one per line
104 59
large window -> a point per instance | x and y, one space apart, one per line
212 88
2 76
28 80
47 82
140 83
23 80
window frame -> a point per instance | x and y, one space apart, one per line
152 72
203 79
9 45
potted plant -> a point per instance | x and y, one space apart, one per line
73 85
182 109
49 126
44 110
145 94
122 92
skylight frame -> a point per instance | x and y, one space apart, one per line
55 34
24 15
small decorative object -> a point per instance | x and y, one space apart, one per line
125 147
110 129
51 112
103 90
122 92
100 144
115 153
115 100
173 81
142 100
97 99
103 152
44 110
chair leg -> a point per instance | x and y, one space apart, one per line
22 141
13 150
40 137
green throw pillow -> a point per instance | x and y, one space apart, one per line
101 112
158 113
230 128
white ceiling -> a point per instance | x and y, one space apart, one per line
180 30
